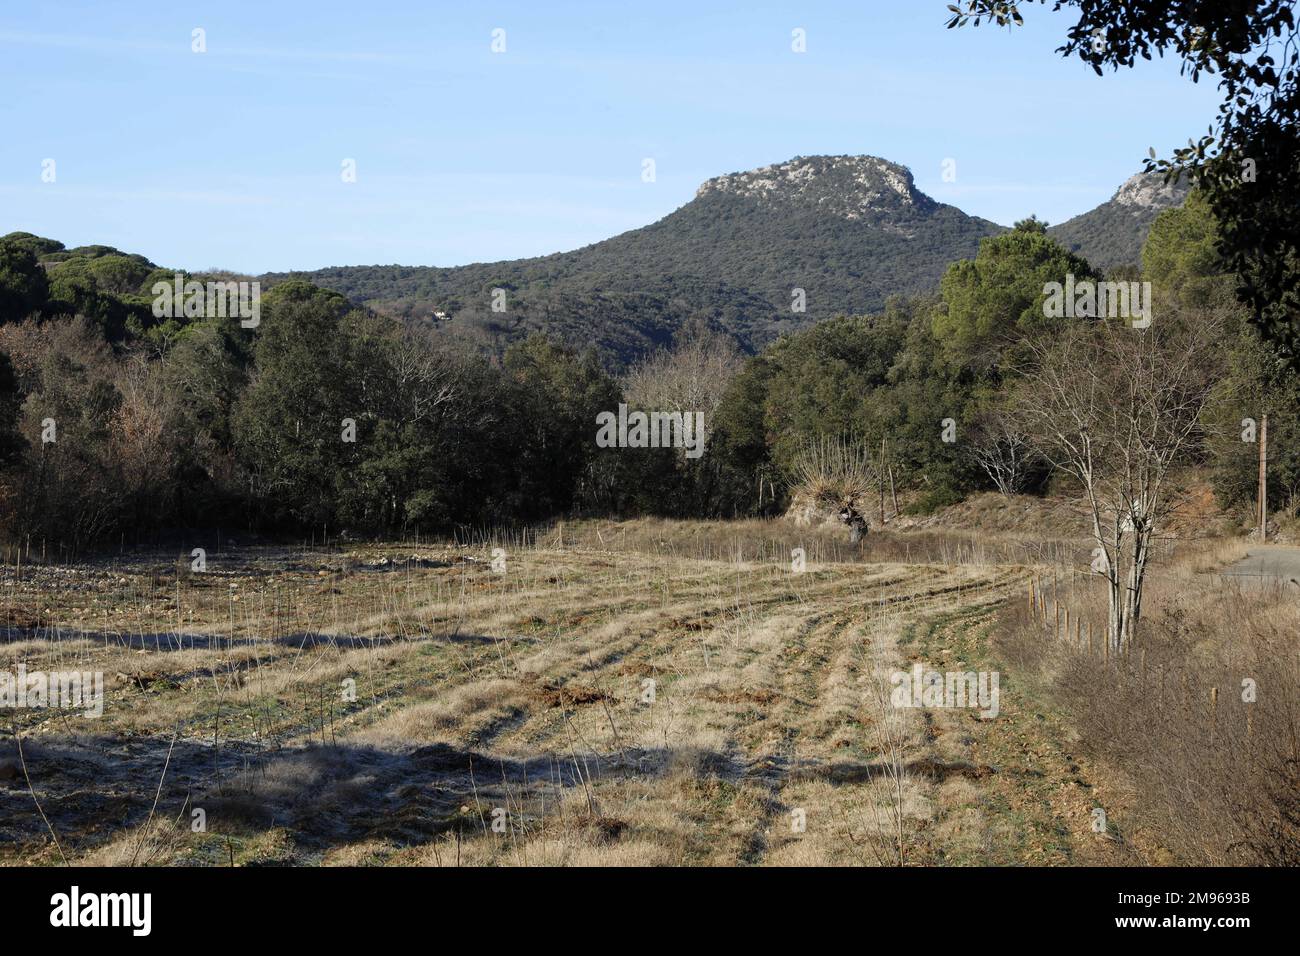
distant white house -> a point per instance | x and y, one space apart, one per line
441 316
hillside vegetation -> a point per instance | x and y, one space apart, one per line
326 419
850 231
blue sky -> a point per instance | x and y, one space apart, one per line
232 158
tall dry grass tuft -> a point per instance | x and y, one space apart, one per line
885 832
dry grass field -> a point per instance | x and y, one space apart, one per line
635 693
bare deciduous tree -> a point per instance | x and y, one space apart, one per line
423 375
138 441
1118 408
692 377
1001 449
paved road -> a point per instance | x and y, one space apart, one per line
1267 562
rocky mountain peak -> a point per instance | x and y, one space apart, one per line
1145 191
851 187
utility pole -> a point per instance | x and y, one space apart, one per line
1263 481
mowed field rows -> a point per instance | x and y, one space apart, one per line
574 705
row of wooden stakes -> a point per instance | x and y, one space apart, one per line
1058 618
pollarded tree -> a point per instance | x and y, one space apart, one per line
1118 408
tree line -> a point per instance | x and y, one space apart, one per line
116 424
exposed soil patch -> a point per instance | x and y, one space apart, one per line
742 696
572 695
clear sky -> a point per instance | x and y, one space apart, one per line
232 158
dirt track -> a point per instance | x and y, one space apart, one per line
1267 562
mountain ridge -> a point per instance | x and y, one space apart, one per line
837 234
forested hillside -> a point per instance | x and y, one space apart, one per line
849 231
